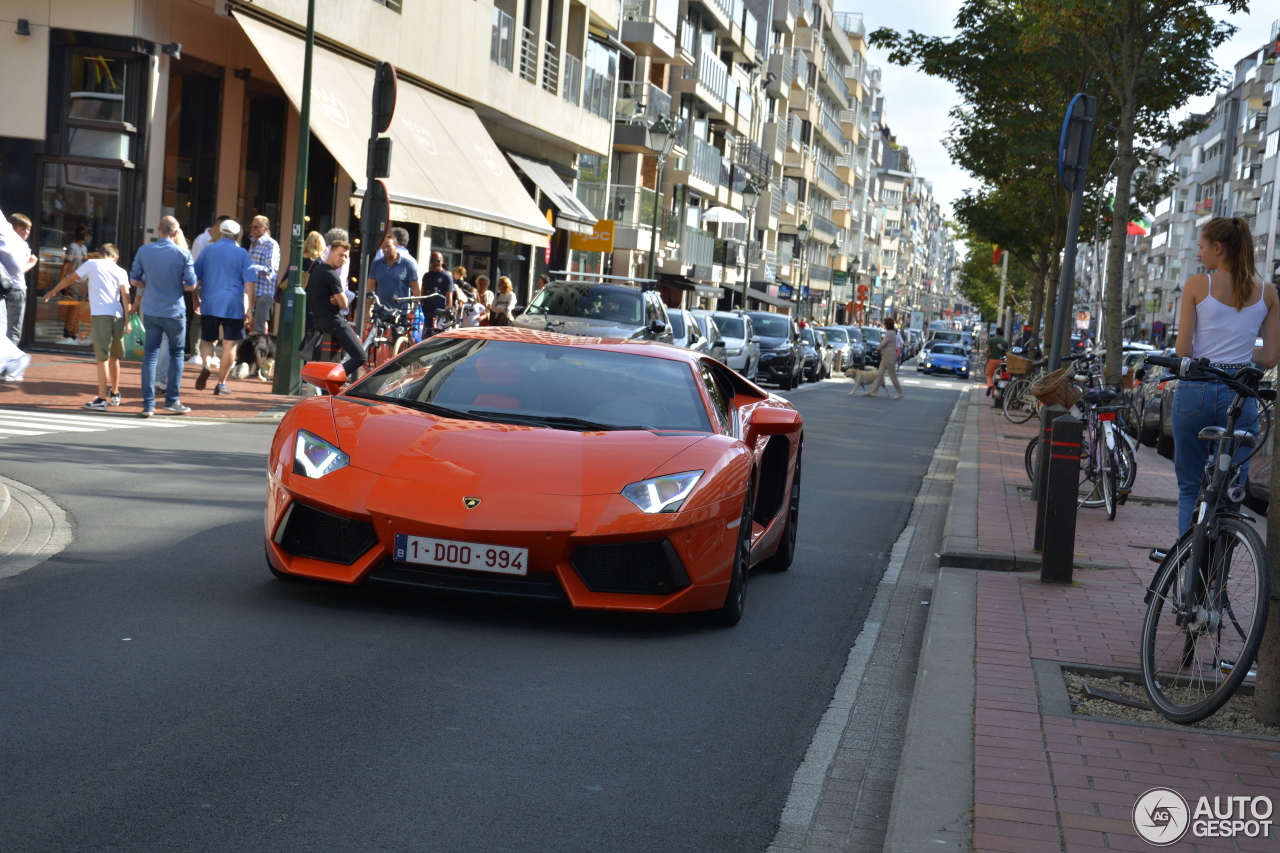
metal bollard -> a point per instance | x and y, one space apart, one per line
1057 511
1048 414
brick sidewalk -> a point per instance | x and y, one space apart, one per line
66 382
1043 778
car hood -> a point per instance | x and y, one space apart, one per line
579 326
772 343
946 358
397 442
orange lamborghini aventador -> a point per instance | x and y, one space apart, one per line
611 475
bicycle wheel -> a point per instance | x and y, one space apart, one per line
1195 654
1127 470
1030 457
1018 403
1107 484
1086 490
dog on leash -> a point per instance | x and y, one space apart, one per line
256 356
861 378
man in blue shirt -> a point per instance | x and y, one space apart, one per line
393 275
227 280
161 272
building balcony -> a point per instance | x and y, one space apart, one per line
779 72
718 12
649 28
700 167
784 15
829 131
697 247
639 105
708 81
633 210
754 159
823 228
833 79
502 40
775 141
828 182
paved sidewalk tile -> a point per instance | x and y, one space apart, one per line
66 382
1048 782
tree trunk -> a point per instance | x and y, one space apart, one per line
1050 306
1114 297
1266 697
1037 299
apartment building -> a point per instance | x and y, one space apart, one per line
128 110
1230 168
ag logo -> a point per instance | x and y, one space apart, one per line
470 502
1161 817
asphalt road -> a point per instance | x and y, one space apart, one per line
161 691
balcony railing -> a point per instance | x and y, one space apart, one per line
597 92
727 253
851 22
635 206
835 79
832 126
823 228
790 190
828 177
775 200
753 158
572 78
528 55
704 159
688 38
795 129
713 74
551 68
697 247
819 273
750 27
502 39
641 101
594 196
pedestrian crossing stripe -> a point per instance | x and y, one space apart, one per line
27 422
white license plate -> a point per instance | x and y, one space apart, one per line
1000 383
473 556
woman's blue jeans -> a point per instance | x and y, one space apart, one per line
1197 405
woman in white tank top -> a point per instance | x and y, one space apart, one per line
1223 314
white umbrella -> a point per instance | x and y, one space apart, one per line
724 214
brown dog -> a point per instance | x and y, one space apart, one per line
861 378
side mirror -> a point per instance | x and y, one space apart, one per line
325 374
769 420
657 327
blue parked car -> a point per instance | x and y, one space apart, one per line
944 358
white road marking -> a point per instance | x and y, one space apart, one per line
31 422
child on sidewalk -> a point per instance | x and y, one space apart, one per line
108 298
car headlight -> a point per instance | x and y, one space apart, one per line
662 494
928 363
314 457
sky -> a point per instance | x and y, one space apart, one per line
917 106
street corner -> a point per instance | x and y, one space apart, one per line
33 528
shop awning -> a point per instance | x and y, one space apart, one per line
446 171
708 290
760 296
571 214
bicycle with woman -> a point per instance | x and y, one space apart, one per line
1214 611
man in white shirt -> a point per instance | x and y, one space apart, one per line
205 237
108 307
15 260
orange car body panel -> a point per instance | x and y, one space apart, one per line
546 490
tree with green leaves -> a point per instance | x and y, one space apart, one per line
978 280
1151 57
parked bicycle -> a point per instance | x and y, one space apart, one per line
389 333
1207 602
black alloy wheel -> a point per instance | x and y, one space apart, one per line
735 598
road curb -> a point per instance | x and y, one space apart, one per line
271 416
32 528
960 530
933 797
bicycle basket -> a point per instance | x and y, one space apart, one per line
1016 365
1057 388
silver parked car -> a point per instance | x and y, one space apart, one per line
593 309
687 331
742 347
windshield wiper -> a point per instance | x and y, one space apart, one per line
429 408
553 421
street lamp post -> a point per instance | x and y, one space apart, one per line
802 239
750 195
662 137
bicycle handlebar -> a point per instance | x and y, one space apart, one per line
1243 381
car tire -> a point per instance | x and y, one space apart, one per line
735 597
787 383
782 558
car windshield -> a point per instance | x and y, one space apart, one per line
610 303
855 335
561 387
772 325
730 327
836 335
949 337
677 324
871 334
946 349
806 335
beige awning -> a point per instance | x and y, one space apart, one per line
572 214
446 171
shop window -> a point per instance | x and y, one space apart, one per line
97 107
191 154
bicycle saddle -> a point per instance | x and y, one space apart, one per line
1242 437
1095 396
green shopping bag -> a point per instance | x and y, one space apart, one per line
135 338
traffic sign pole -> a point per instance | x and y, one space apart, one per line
287 378
375 211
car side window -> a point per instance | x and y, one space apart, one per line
651 308
719 395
